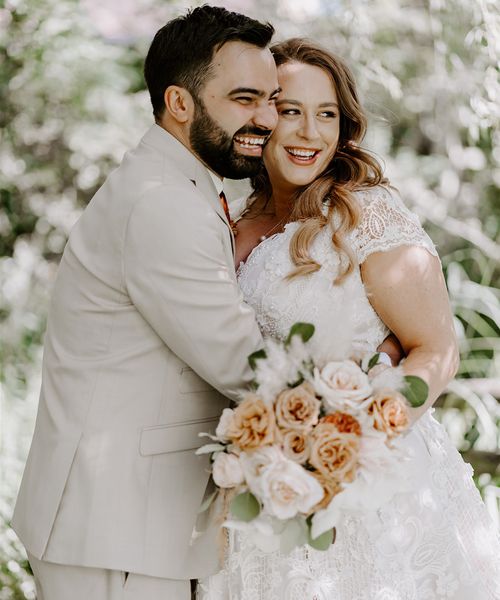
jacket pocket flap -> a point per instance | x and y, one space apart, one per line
175 437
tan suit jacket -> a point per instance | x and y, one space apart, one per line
147 337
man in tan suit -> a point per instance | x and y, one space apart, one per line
148 334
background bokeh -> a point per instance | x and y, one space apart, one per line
72 101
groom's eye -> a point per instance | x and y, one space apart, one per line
244 99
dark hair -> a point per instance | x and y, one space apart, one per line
182 50
350 169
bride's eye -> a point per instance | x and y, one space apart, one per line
328 114
289 111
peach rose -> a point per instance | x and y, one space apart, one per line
334 454
331 488
343 422
295 445
253 424
297 408
390 412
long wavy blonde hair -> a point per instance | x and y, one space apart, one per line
350 169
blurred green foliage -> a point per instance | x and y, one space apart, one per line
72 101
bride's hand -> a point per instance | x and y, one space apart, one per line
393 349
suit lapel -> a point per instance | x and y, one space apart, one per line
191 167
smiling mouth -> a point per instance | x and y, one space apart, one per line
305 155
250 141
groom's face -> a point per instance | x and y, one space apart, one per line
235 111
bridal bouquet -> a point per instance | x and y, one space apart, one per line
311 441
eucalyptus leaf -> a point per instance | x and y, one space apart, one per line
415 391
322 542
255 356
208 448
305 330
293 535
373 360
245 507
208 502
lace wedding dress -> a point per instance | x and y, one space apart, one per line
435 542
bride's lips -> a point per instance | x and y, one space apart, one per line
302 156
251 145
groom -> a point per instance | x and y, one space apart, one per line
148 334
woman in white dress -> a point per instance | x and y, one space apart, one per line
323 225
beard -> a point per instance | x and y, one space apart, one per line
216 149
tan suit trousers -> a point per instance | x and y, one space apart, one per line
68 582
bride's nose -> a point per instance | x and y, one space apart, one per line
308 129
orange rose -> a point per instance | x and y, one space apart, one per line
295 445
390 412
297 408
334 454
253 424
343 422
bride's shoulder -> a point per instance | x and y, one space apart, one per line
386 222
378 195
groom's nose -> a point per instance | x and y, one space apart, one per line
266 115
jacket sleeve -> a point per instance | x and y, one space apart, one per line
179 275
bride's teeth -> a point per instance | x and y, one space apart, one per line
302 153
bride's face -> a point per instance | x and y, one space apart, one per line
307 133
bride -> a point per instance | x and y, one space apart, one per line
321 227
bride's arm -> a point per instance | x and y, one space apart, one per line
407 289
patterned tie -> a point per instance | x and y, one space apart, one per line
223 201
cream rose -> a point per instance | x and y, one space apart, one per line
225 422
390 412
255 462
334 454
342 385
253 424
295 445
227 471
288 489
297 408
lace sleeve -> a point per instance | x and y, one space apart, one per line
387 223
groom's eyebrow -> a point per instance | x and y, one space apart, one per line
254 92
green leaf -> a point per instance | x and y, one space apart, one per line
416 390
293 535
208 502
255 356
209 448
245 506
322 542
373 360
305 330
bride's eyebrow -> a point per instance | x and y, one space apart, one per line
287 101
297 103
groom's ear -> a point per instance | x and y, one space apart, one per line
179 103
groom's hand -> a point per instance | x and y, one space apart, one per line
393 349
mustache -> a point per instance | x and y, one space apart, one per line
249 130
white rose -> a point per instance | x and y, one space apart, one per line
255 462
227 471
288 489
343 385
224 424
